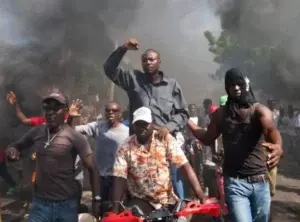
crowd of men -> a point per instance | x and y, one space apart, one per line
144 162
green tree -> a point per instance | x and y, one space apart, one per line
267 65
246 44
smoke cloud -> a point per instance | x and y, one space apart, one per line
260 23
59 44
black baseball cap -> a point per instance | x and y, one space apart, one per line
59 97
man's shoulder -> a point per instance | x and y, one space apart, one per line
261 109
171 80
100 123
37 129
124 128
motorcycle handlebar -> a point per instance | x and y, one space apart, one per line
211 207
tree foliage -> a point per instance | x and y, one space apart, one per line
268 65
247 43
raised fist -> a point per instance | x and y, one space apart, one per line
131 44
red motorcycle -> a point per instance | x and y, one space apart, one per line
135 214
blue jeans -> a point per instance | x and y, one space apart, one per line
42 210
177 181
246 201
105 188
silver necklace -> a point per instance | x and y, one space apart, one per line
49 139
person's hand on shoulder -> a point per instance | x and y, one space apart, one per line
162 134
275 152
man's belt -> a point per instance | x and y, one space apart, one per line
261 178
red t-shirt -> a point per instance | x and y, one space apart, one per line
39 120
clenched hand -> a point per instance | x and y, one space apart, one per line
131 44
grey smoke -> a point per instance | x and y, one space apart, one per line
267 22
40 37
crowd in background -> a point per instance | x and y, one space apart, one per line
147 153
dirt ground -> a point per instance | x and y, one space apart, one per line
285 204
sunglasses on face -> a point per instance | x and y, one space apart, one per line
55 108
112 110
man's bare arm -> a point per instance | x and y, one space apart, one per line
270 130
118 191
207 137
272 135
21 116
190 175
86 155
89 163
13 101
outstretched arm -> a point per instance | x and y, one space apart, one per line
12 99
207 137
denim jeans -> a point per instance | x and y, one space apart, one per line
105 188
246 201
177 177
177 181
42 210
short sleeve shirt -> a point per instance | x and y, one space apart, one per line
55 170
147 169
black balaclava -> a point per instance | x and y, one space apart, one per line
234 76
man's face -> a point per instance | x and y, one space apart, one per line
207 105
192 110
143 131
113 113
150 62
54 112
235 91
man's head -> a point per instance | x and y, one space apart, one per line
55 107
113 113
142 123
192 110
150 61
207 103
238 87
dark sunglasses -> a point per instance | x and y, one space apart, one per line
55 108
112 110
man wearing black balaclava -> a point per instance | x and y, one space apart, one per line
242 123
